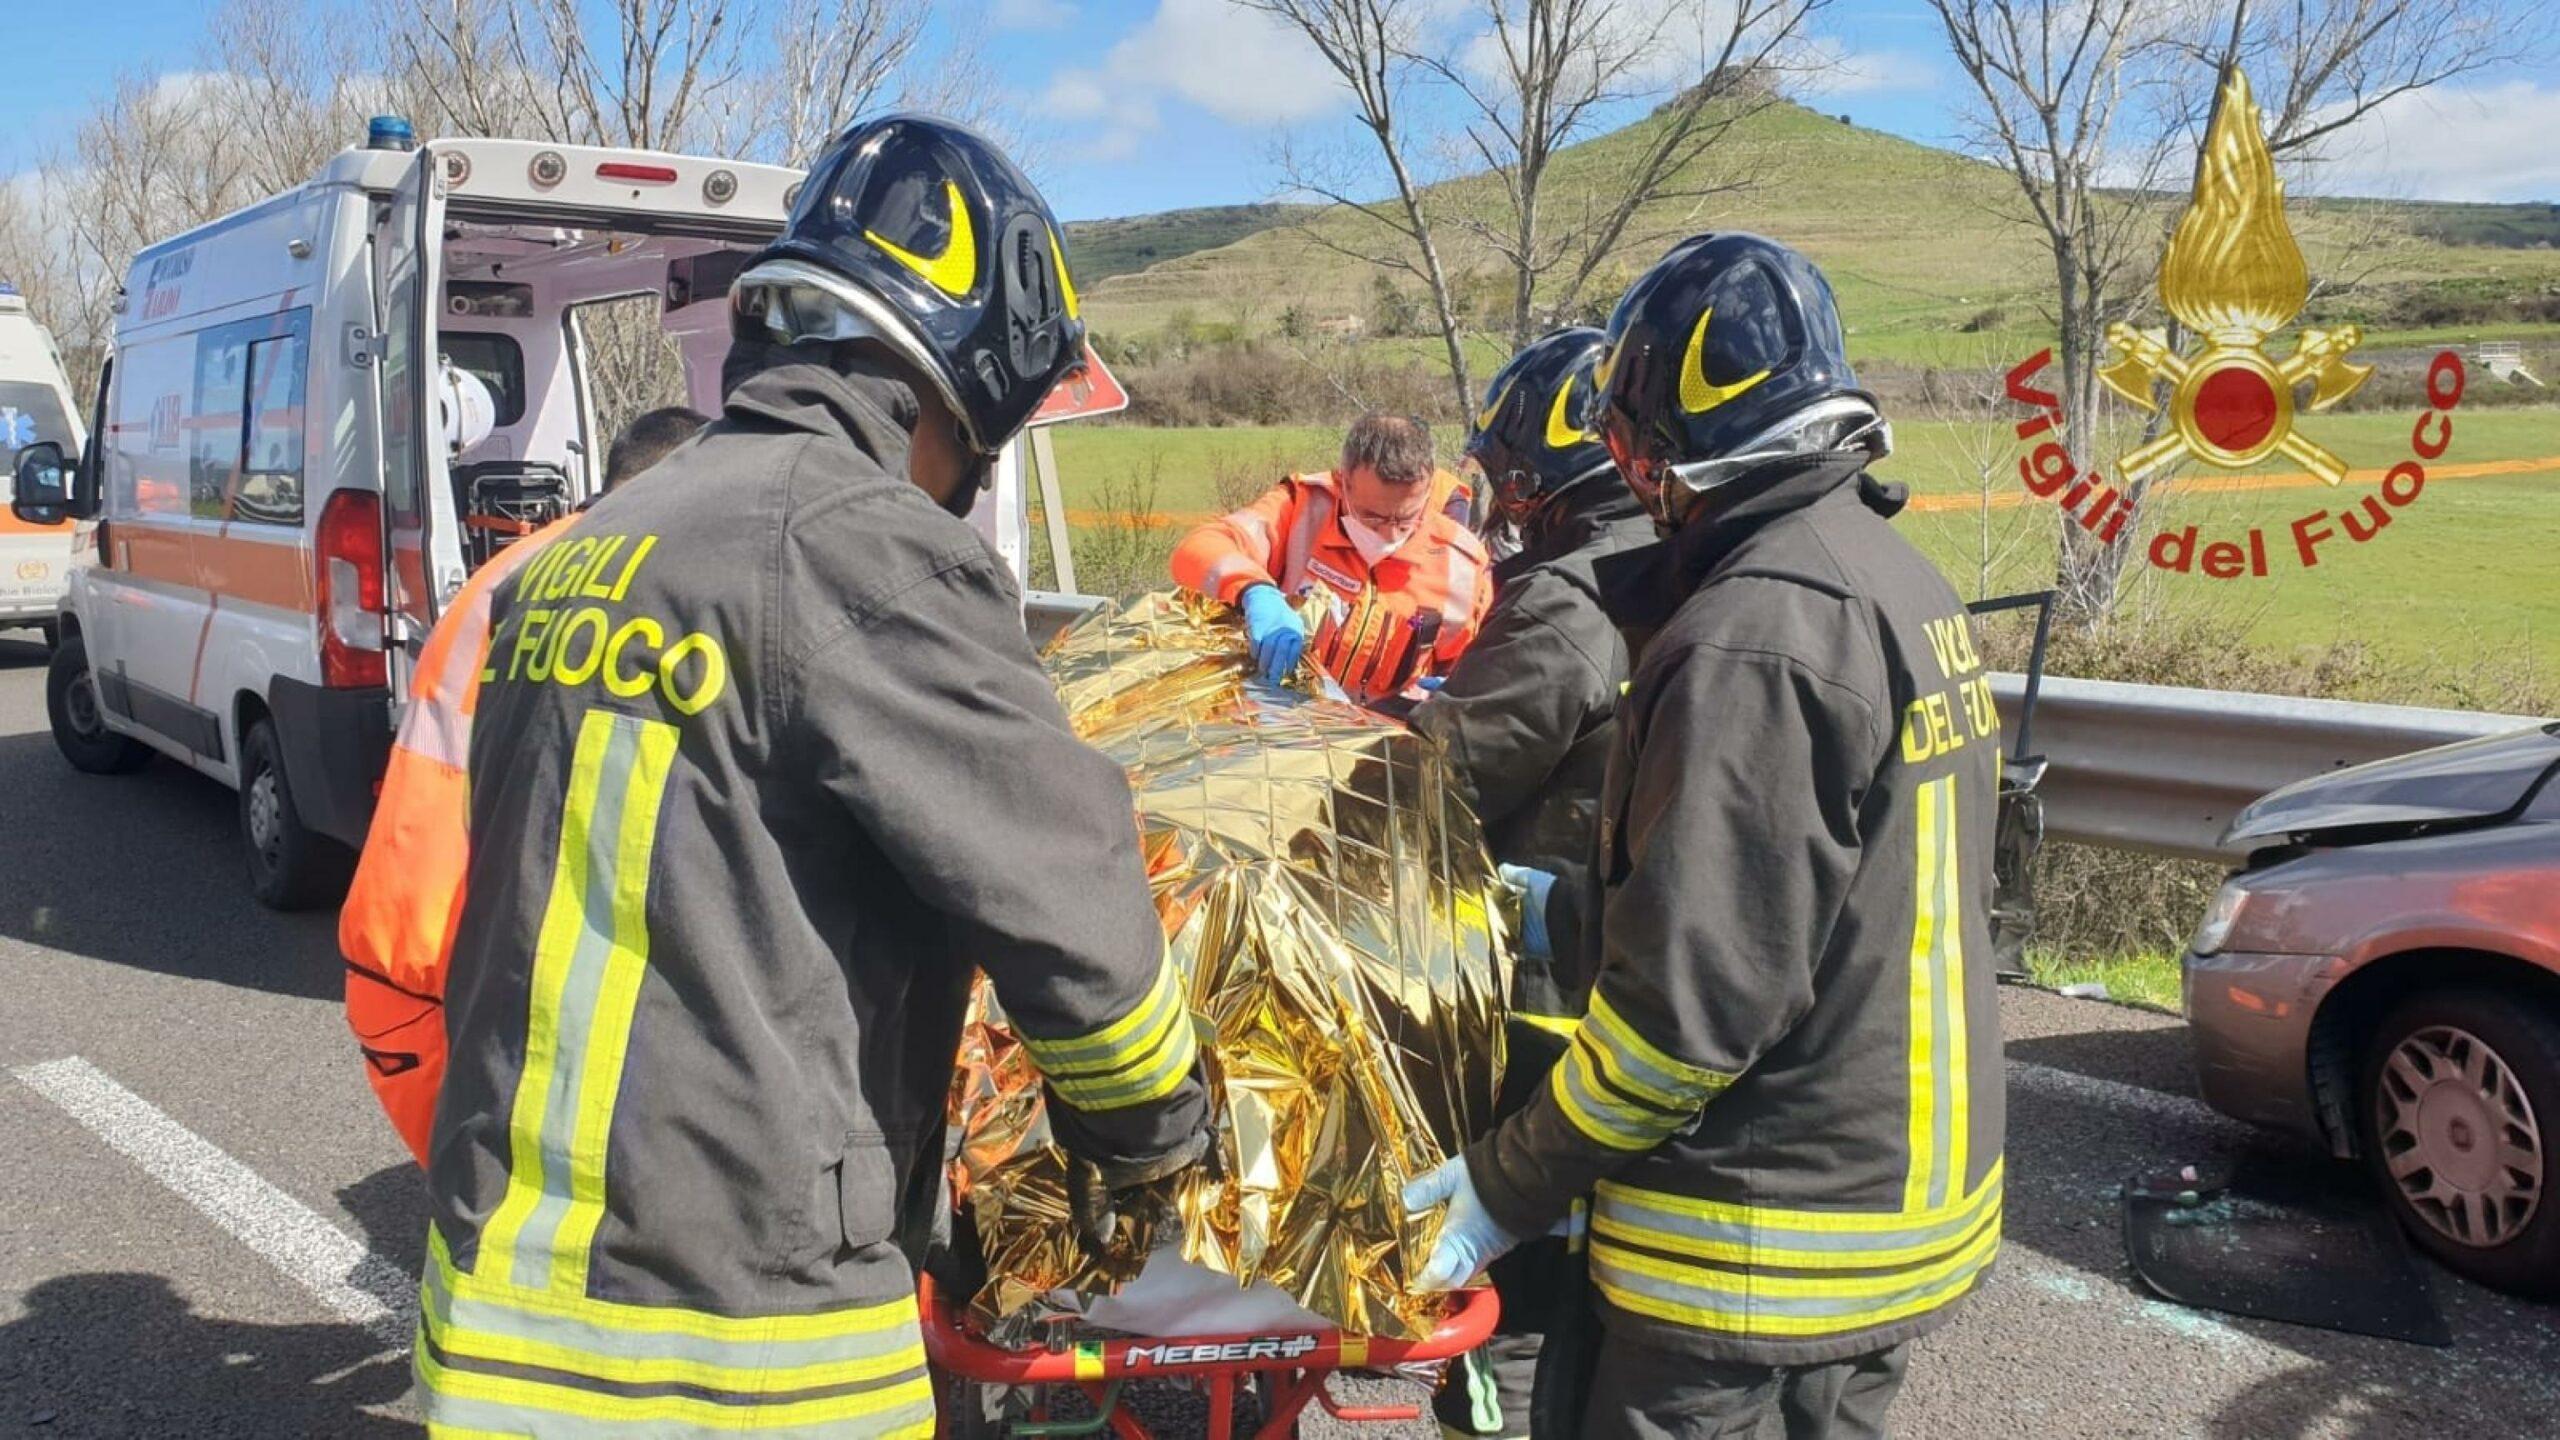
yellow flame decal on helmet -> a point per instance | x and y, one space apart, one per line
1560 432
1698 394
1493 409
954 272
1066 287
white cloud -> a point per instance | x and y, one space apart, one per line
1239 65
1034 14
1843 71
2484 142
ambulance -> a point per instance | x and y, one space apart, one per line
35 405
321 412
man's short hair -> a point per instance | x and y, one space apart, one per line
1397 447
647 439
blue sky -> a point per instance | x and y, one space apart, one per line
1142 105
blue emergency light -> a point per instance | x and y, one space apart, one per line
7 289
389 132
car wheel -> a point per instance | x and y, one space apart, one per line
50 632
79 721
2461 1109
291 867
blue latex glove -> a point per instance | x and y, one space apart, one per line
1431 682
1274 630
1533 886
1469 1238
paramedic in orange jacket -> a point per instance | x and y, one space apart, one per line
1406 584
396 928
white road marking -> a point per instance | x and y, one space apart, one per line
349 1279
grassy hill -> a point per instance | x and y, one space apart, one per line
1921 243
1104 248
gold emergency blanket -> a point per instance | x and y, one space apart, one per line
1330 904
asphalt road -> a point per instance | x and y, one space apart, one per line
206 1229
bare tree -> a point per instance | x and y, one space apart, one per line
2073 92
1545 74
1370 45
2052 79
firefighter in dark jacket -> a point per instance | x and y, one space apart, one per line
1526 712
1785 1102
763 768
1526 716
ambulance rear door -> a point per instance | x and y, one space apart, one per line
422 532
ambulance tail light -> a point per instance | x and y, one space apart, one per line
636 174
350 566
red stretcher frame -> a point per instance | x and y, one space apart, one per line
1292 1380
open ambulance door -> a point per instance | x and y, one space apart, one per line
421 530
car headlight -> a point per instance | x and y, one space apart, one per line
2224 913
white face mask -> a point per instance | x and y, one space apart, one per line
1374 547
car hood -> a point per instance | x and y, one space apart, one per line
2470 781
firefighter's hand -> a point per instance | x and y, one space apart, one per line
1534 886
1274 630
1098 1194
1469 1240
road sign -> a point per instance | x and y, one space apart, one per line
1088 390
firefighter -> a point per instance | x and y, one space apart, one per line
1526 715
1380 539
396 928
1785 1100
763 768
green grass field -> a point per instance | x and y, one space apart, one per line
2465 575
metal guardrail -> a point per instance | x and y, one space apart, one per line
2163 769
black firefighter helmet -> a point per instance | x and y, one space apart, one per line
1723 357
920 234
1536 436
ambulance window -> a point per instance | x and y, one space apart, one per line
244 440
213 439
30 412
497 361
271 469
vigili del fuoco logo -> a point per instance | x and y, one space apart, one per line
2233 275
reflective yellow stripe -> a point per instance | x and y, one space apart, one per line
600 1079
1139 1057
1763 1305
904 1409
589 959
562 917
1636 1217
1956 1076
885 1323
1920 1074
1587 1106
1841 1221
1641 1068
478 1320
1562 1025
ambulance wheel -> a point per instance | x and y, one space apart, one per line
291 867
79 723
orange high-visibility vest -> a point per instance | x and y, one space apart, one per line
1387 626
396 928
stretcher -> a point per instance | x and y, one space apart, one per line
1286 1373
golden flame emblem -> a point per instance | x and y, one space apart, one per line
2233 274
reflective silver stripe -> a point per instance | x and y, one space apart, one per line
1315 511
461 1398
497 1322
1616 1123
533 1248
1660 1222
1631 1063
1460 603
1734 1300
437 729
